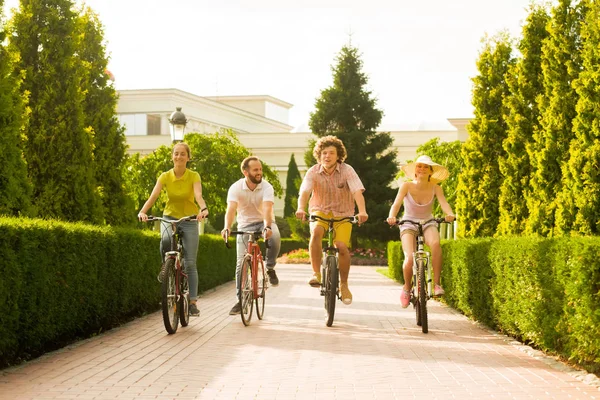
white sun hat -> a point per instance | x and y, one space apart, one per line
439 171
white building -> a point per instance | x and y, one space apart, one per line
261 123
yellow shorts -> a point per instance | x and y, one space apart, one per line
342 231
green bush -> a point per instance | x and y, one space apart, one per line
62 281
545 292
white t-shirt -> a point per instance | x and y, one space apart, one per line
249 202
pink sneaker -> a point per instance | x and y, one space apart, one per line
404 298
439 290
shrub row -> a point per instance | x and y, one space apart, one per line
62 281
545 292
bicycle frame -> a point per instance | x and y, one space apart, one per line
253 249
253 257
422 272
330 266
177 296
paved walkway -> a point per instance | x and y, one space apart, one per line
373 351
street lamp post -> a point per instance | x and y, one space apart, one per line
178 122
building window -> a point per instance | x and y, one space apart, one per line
153 122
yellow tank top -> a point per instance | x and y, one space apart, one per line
180 193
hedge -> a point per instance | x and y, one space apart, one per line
63 281
543 291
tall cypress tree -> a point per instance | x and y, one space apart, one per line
100 110
15 189
524 84
59 148
292 188
479 182
348 111
560 65
578 208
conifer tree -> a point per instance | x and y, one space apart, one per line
524 81
479 182
578 206
15 189
292 187
560 65
59 148
347 110
99 106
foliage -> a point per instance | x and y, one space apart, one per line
561 63
141 173
524 80
578 208
479 182
292 187
99 109
15 188
45 38
63 281
347 110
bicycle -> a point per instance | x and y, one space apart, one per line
254 282
330 274
422 273
175 289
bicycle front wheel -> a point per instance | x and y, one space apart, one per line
331 287
423 296
261 289
184 299
169 297
246 293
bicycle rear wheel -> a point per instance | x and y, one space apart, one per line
184 299
261 289
247 296
169 297
331 287
423 296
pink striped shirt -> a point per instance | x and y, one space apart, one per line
332 193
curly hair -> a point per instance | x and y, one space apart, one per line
327 141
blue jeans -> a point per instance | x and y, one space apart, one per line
190 249
272 252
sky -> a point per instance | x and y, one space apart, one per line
419 55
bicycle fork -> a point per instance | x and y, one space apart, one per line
424 257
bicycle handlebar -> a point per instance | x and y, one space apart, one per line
313 218
257 235
172 221
422 222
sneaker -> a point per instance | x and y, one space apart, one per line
404 298
236 310
315 280
439 290
346 295
194 310
273 279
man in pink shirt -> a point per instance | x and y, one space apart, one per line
335 187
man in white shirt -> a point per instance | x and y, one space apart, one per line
252 198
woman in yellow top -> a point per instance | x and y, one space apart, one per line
183 186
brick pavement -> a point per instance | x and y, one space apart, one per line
373 351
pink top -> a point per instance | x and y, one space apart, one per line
417 212
332 193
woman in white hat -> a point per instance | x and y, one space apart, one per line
418 197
